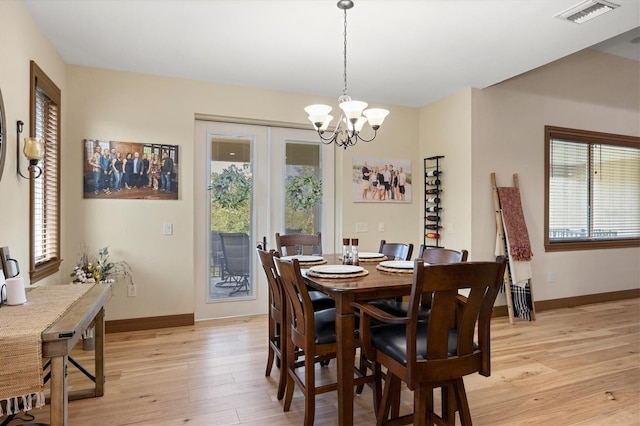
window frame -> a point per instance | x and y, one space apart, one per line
590 137
39 80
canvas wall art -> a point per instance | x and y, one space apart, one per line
381 180
130 170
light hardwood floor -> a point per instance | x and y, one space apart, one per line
577 366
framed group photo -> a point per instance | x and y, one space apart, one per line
381 180
130 170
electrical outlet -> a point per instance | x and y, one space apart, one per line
132 291
551 277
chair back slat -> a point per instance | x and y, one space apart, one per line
396 251
290 244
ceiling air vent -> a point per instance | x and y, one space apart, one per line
586 11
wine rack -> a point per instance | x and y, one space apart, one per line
432 201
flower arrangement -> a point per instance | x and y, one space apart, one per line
101 269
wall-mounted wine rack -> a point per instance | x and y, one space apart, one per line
432 201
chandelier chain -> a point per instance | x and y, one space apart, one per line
344 89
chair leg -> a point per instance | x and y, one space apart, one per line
463 404
377 386
270 359
289 365
389 398
364 363
309 391
420 409
448 404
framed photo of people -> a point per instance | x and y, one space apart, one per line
381 180
130 170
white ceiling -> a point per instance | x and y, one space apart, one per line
400 52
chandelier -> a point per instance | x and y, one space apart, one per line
353 114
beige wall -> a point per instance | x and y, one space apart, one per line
142 108
20 42
445 129
589 90
501 129
479 131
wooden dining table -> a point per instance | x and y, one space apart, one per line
377 284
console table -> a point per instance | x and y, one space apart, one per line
59 339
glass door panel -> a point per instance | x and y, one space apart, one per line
303 188
231 194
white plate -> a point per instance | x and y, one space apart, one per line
304 258
336 269
369 255
397 264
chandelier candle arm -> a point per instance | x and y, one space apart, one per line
353 114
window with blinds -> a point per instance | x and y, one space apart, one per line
592 190
45 190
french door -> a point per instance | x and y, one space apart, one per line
251 182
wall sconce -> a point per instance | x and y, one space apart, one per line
33 150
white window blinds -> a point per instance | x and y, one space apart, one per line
45 192
593 189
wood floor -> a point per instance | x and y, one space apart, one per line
578 366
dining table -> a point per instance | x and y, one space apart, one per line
345 290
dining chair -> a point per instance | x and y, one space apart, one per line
396 251
429 355
291 244
276 319
306 244
314 332
400 308
237 262
434 255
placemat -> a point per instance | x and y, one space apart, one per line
373 259
363 273
394 270
21 375
307 264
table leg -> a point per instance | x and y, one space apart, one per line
345 325
99 352
59 405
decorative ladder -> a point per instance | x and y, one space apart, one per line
502 237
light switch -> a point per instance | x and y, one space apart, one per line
168 229
381 227
361 227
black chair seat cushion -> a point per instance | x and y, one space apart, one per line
392 340
325 326
321 301
399 309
